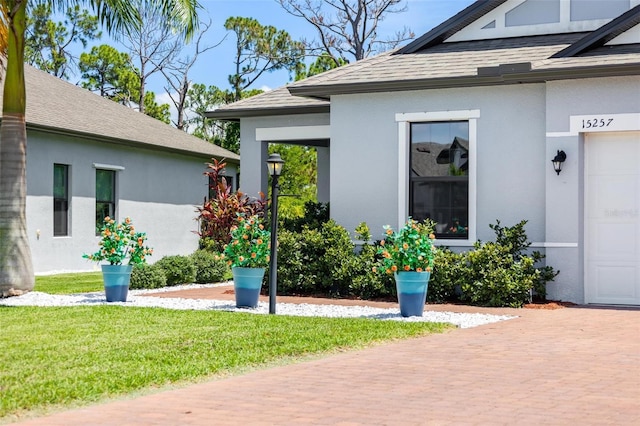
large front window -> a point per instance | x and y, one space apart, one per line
439 160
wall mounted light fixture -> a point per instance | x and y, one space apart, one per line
558 160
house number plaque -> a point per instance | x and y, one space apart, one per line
604 123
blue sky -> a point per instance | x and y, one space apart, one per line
214 66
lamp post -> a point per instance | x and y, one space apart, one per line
274 165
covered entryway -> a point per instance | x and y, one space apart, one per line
612 218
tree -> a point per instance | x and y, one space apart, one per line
109 72
348 29
323 63
201 99
16 268
155 110
260 49
177 75
48 42
152 46
298 179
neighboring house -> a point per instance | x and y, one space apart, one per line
88 157
499 88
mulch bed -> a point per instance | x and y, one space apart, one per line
548 304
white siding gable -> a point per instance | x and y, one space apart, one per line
518 18
628 37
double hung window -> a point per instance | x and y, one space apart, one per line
439 160
105 196
60 200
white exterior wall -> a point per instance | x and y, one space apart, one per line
511 155
519 130
565 193
158 190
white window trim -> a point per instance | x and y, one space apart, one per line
404 120
107 167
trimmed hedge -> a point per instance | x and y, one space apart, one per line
210 268
145 276
178 269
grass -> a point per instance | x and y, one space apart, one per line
83 282
59 357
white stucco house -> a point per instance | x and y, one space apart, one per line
88 157
461 126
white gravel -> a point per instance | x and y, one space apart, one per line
35 298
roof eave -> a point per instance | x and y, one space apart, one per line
533 76
237 114
128 143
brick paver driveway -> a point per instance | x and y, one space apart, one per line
567 366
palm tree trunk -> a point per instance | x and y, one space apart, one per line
16 269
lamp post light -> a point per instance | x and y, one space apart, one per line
274 165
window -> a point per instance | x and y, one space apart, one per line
439 176
60 200
105 196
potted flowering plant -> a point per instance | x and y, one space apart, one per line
119 242
409 255
248 254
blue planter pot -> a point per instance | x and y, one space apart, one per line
247 283
412 292
116 282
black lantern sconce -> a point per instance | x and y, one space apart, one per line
558 160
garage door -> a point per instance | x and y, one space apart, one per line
612 218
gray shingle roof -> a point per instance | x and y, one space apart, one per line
456 65
57 105
432 63
265 103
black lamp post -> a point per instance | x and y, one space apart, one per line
274 165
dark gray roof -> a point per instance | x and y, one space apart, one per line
278 101
58 106
457 65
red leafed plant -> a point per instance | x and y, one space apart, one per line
223 209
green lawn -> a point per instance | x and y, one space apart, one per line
83 282
60 357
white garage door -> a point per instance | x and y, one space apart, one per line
612 223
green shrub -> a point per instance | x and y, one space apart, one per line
360 270
145 276
311 262
447 276
515 237
209 267
178 269
493 277
365 282
323 261
499 273
315 215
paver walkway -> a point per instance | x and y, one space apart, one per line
567 366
